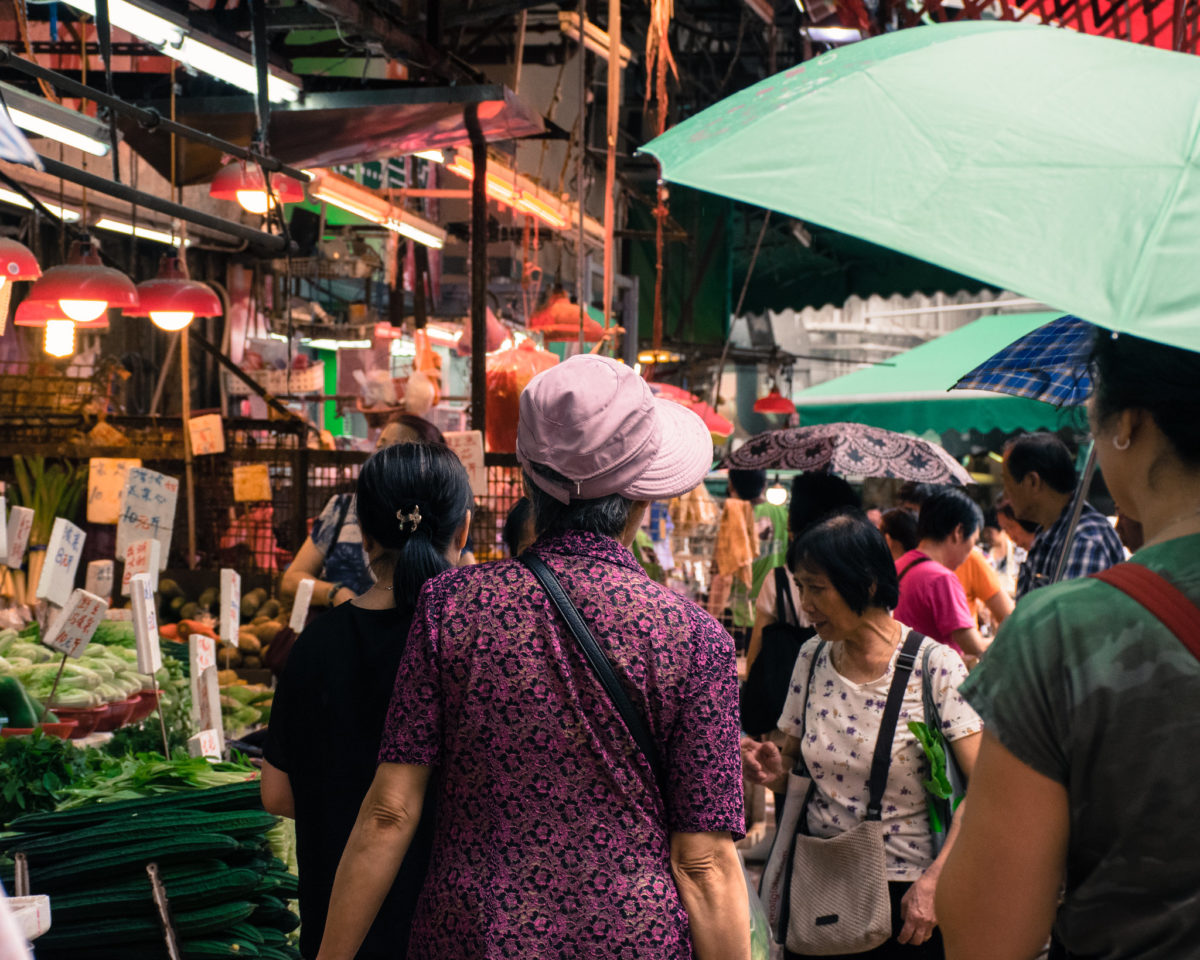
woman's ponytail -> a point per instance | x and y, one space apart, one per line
412 500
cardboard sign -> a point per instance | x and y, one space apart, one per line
72 629
207 743
147 510
3 527
300 605
206 694
99 578
62 562
106 481
145 624
468 444
142 557
207 434
251 482
20 525
231 605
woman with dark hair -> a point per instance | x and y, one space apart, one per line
1083 682
323 742
832 719
899 529
408 428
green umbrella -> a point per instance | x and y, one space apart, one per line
1040 160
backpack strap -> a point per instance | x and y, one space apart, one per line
882 760
785 609
915 563
1160 597
801 767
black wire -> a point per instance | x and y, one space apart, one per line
38 205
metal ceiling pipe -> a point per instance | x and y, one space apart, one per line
478 269
267 242
150 119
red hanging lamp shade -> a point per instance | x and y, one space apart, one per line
35 313
774 403
17 261
244 183
172 299
83 287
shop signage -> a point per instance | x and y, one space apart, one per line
147 510
300 605
73 628
141 557
62 562
468 444
207 434
206 694
99 578
20 525
251 483
145 624
106 480
231 605
376 174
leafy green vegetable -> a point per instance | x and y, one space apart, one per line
36 772
935 752
176 704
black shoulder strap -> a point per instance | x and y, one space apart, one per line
801 767
915 563
785 609
882 760
600 665
933 716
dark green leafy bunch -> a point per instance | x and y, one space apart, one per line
36 770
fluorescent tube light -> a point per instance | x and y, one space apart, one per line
44 118
435 155
144 233
832 35
176 39
354 198
414 232
16 200
323 344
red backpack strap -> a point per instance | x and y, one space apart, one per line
1161 597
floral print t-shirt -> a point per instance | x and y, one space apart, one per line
839 743
552 840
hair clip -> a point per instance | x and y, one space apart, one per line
406 519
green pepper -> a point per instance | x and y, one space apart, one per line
14 701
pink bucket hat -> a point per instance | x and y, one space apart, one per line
595 421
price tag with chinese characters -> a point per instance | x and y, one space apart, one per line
206 694
231 606
145 624
106 480
62 562
207 743
207 434
72 629
20 525
3 528
147 510
304 595
251 483
468 444
99 578
141 557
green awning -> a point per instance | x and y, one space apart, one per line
911 392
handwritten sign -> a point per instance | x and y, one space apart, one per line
20 525
141 557
207 743
231 605
145 624
106 480
468 444
304 594
206 694
147 510
119 614
3 527
99 578
62 561
72 629
207 433
251 482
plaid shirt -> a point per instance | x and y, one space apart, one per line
1096 547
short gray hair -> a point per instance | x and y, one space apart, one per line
605 516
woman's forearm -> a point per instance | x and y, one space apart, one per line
713 892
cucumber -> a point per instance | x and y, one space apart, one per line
134 898
233 796
82 871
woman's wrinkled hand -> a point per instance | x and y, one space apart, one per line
916 908
761 762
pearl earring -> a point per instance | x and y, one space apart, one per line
1121 446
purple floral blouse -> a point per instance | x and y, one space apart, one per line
551 837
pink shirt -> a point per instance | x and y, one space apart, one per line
932 600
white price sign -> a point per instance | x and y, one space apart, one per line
142 557
468 445
20 525
3 527
147 510
145 624
62 562
206 694
72 629
304 595
231 605
207 743
99 578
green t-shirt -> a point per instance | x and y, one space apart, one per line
1088 688
770 527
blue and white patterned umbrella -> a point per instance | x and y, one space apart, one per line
13 145
1048 364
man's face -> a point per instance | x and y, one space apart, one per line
961 546
1020 495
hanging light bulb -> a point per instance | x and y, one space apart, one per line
83 288
60 338
171 299
777 493
243 182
